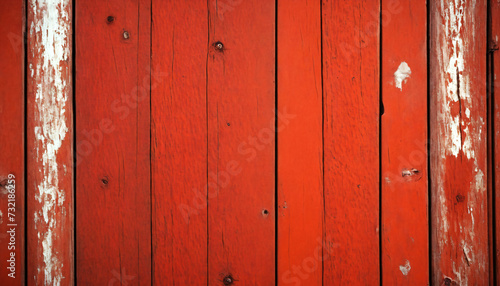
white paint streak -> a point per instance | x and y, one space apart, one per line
51 49
402 75
462 132
406 268
455 78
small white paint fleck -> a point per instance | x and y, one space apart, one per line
402 75
406 268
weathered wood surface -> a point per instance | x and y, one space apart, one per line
459 225
179 142
12 118
494 85
113 197
50 143
300 144
177 160
241 157
404 198
351 141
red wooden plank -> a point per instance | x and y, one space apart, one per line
300 147
113 142
405 228
50 144
12 23
241 103
495 92
351 141
491 151
458 142
179 142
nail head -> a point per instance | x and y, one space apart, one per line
219 46
228 280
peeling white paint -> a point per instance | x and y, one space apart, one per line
406 268
402 75
467 146
50 27
458 275
455 78
462 133
445 226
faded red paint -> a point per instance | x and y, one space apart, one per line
494 77
179 188
458 142
50 143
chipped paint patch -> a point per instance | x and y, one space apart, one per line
50 27
456 84
402 75
406 268
460 208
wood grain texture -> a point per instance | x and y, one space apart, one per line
495 120
458 142
12 181
405 224
50 143
300 144
113 142
351 141
179 142
241 143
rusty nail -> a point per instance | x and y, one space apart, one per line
228 280
110 19
126 35
219 46
105 181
